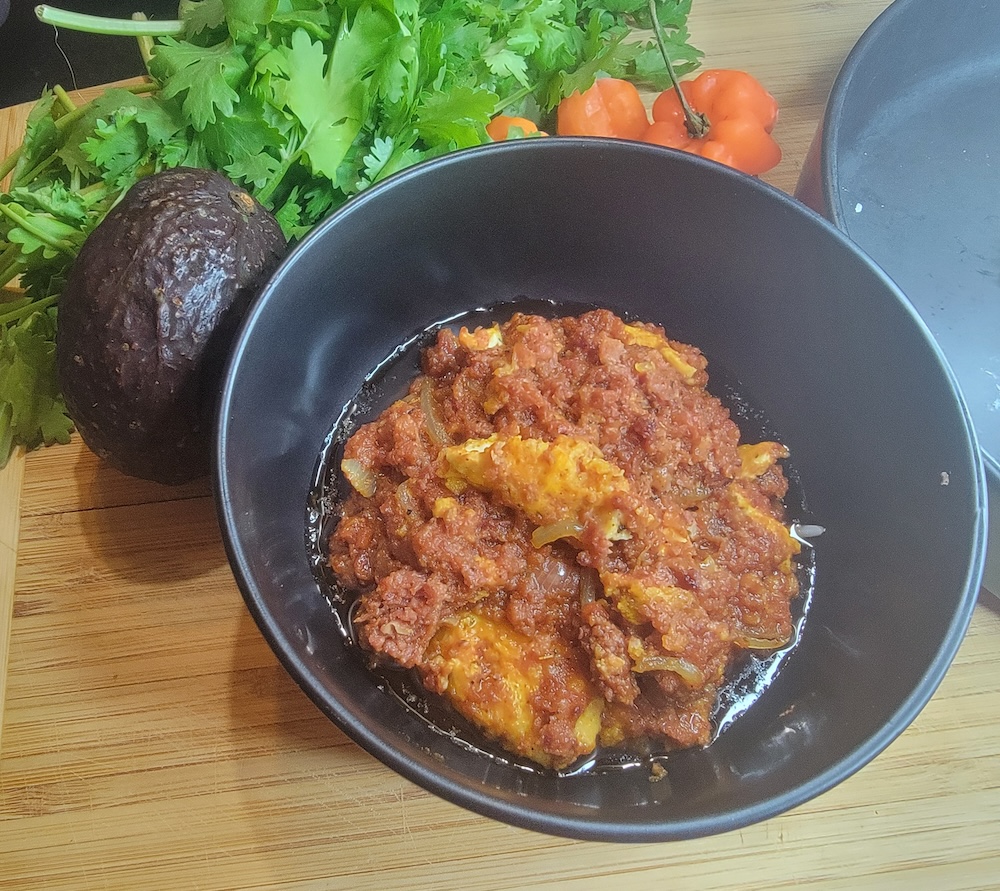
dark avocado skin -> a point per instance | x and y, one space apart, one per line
148 315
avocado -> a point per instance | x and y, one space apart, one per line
150 308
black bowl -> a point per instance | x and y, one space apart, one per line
905 163
791 316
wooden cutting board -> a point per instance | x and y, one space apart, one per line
151 740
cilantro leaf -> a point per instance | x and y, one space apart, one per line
53 198
202 15
241 136
327 95
318 19
118 145
256 169
386 157
163 121
458 117
244 17
378 158
71 152
289 215
207 77
504 62
32 411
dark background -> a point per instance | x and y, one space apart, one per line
30 59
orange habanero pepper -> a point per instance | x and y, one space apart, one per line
730 120
611 107
499 128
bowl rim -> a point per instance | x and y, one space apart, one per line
429 774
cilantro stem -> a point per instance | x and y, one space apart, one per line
11 264
12 310
39 167
9 253
24 222
516 96
6 433
63 98
99 188
11 300
96 24
10 162
146 46
11 271
25 307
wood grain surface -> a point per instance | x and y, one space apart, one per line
151 739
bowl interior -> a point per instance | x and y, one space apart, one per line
807 328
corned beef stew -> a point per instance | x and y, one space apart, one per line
559 531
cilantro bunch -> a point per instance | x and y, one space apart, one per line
307 103
302 102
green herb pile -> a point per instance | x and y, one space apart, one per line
304 103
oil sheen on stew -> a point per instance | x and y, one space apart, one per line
559 531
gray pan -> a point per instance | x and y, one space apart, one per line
907 164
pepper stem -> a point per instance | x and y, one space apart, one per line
696 123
